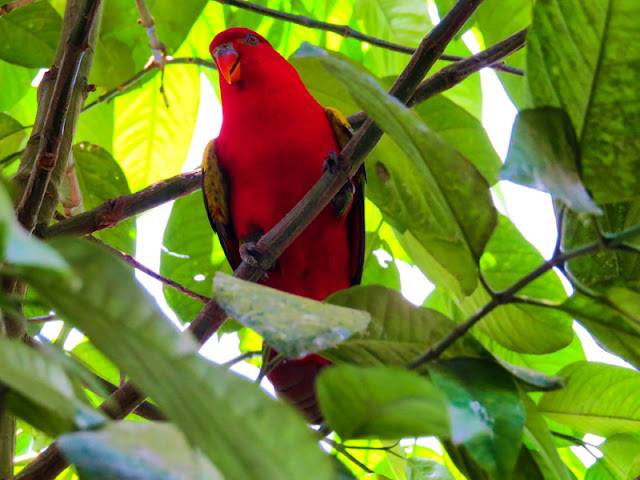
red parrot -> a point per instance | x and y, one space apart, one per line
272 148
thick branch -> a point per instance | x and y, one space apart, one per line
508 295
118 209
51 135
343 30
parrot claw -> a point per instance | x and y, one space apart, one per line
250 253
331 163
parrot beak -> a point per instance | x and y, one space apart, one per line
228 62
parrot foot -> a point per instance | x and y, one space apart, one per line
331 163
250 253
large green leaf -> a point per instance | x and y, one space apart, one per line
101 179
228 418
544 154
537 434
496 20
152 140
614 329
405 23
597 272
398 332
619 452
599 398
191 255
584 64
47 397
522 328
381 402
486 413
294 325
123 45
30 35
434 192
463 131
157 451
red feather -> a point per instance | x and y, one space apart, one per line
272 145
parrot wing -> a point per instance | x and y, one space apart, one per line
216 200
355 217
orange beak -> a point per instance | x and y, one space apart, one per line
228 62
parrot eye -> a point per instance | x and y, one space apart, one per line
251 39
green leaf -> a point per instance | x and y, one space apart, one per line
597 272
591 75
382 402
12 134
228 418
398 332
147 451
485 412
21 251
152 140
544 154
404 22
97 126
16 82
427 469
537 434
593 400
496 20
46 397
457 216
611 326
619 452
191 255
463 131
533 379
30 35
522 328
101 179
89 356
294 325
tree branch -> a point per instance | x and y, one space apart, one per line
120 208
146 20
8 7
343 30
509 294
52 131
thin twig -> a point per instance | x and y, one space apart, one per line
507 295
8 7
51 135
345 31
146 20
43 318
267 367
240 358
118 209
339 447
164 280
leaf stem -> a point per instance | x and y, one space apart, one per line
8 7
342 449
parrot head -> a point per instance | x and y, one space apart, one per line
236 49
